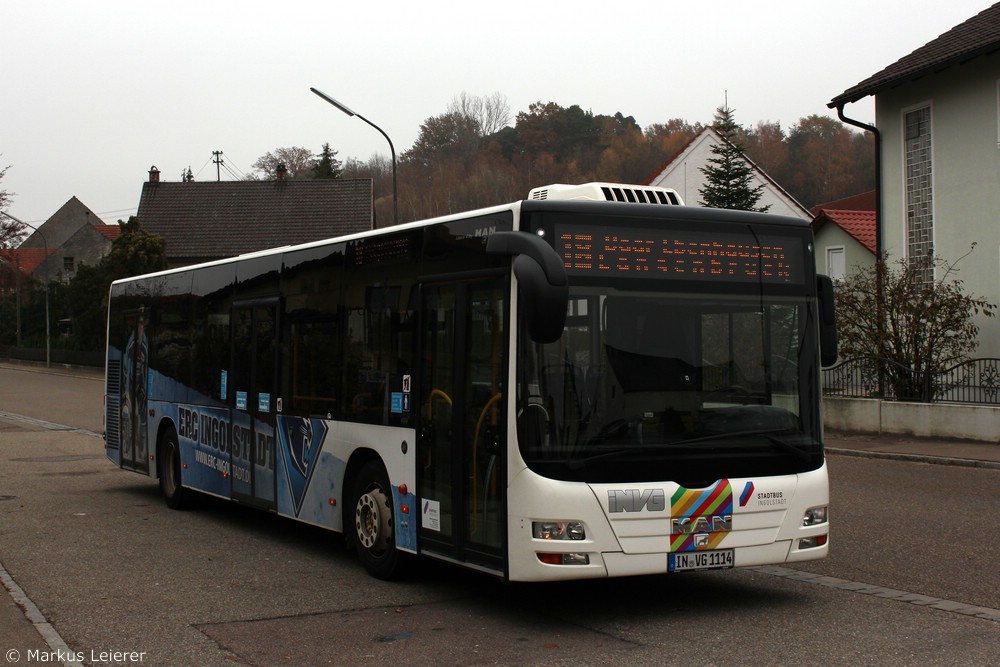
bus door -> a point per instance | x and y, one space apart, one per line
254 401
133 408
461 403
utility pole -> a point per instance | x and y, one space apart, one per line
217 159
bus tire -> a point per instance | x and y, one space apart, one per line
169 458
373 522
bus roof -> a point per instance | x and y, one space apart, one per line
642 200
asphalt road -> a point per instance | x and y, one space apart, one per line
912 578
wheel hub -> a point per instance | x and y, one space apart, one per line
372 519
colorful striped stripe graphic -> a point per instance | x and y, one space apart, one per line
713 501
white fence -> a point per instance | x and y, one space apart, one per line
932 420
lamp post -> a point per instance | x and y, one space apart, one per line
349 112
45 261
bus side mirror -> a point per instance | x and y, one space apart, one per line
542 277
827 321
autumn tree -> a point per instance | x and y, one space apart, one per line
766 145
470 156
378 168
621 147
446 137
448 169
827 161
922 326
729 177
551 143
570 135
663 141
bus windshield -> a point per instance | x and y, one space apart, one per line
685 381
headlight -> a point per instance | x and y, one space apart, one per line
558 530
814 516
812 542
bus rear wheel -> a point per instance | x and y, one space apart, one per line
170 472
374 521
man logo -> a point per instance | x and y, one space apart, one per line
701 524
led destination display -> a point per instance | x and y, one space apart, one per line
681 254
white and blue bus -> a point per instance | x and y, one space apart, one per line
596 381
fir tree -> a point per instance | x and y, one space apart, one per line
729 175
328 166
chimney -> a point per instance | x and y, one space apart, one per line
280 172
154 174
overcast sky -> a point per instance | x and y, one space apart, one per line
94 93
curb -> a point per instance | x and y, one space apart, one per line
914 458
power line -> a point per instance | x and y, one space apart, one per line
198 173
231 172
239 172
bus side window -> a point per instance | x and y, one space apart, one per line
312 352
312 365
378 355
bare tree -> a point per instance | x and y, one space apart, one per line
921 325
491 113
297 160
11 232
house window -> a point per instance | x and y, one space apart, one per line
68 264
836 263
919 189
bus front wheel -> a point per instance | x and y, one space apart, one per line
170 472
374 533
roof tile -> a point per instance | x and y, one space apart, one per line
860 225
110 232
27 258
977 36
207 220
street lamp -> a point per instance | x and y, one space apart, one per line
349 112
45 261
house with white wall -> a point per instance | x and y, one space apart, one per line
844 233
684 174
938 125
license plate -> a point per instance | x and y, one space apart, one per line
700 560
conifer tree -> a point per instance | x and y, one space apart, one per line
328 166
729 175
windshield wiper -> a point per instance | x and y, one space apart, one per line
767 434
577 463
667 448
